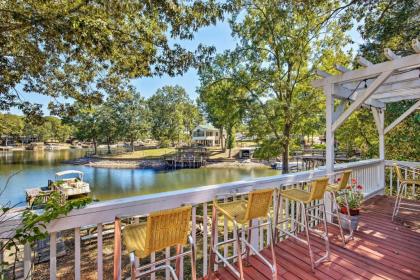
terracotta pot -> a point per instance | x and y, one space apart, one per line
353 212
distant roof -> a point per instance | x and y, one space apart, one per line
207 126
66 172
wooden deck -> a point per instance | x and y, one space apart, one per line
381 249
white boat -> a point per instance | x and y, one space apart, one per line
70 182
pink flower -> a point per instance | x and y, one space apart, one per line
359 187
353 181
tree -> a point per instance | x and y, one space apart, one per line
10 126
169 115
389 24
63 48
280 43
87 123
223 101
133 117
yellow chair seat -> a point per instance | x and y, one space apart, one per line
135 239
234 210
333 188
297 195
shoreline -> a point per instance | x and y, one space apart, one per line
159 164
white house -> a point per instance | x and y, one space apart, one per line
206 135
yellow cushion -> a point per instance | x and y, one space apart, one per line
297 195
134 237
234 210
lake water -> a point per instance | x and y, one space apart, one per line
106 183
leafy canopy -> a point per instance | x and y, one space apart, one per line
64 48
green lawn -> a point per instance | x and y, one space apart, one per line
145 154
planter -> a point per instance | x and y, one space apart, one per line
354 223
353 212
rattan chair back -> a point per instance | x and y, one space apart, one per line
398 171
318 188
344 179
168 228
259 203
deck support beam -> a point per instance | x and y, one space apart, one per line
379 117
329 135
402 117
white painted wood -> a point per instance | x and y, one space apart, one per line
404 63
329 92
77 253
416 45
100 265
402 117
341 68
205 238
27 262
322 73
152 260
343 93
390 54
360 99
225 235
53 255
364 62
167 255
339 110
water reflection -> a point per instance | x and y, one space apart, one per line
38 167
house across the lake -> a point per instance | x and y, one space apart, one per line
206 135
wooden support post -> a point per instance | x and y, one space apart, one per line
27 262
329 153
379 117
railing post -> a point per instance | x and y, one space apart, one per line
27 262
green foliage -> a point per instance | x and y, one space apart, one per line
64 48
280 43
173 115
223 100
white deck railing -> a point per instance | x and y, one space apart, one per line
368 173
409 170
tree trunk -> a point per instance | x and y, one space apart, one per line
286 144
95 146
221 138
108 142
132 144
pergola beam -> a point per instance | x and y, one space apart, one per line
372 71
346 94
402 117
361 99
363 61
390 54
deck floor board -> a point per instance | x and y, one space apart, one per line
381 249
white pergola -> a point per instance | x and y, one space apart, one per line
373 87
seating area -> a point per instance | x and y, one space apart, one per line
312 243
380 249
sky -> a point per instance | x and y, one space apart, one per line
218 36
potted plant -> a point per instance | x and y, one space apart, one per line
354 195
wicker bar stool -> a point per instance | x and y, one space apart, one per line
304 198
335 191
161 230
402 188
242 212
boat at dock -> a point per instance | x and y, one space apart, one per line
68 183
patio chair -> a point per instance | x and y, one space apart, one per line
242 212
161 230
334 191
304 199
402 188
